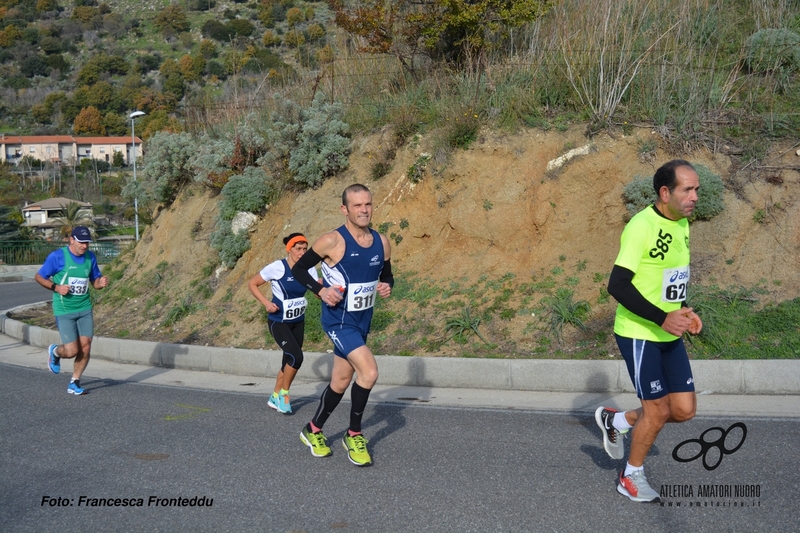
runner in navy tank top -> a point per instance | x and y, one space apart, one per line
356 268
358 272
286 315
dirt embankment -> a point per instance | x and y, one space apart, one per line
492 219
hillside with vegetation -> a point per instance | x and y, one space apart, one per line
456 114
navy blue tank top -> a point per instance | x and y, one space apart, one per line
358 271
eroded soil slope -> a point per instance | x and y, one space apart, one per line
490 232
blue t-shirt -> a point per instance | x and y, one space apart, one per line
55 263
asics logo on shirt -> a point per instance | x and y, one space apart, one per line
364 290
678 274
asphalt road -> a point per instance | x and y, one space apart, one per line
436 469
15 293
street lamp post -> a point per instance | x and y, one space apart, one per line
134 116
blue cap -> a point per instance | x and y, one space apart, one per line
81 234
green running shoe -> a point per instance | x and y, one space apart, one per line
356 447
315 441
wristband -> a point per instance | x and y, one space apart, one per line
53 287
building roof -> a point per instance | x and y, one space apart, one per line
53 203
44 139
105 140
40 139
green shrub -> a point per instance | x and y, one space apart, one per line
166 168
306 145
639 193
209 163
282 134
230 246
773 49
179 311
463 132
247 191
564 310
380 169
322 145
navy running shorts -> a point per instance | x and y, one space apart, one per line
656 368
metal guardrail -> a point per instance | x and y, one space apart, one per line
35 252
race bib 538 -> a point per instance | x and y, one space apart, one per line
78 286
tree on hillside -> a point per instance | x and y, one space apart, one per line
10 223
73 214
171 20
166 167
99 64
241 27
42 6
103 96
88 16
114 124
89 121
34 65
459 31
9 35
11 186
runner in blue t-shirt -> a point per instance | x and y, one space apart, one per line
69 272
355 268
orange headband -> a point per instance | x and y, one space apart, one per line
295 240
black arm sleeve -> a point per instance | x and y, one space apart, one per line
386 273
620 286
300 271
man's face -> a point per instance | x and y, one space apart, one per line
683 198
77 248
359 208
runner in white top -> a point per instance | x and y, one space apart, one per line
286 315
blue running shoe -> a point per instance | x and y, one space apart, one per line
274 402
284 406
75 388
53 361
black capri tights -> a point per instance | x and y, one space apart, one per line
289 336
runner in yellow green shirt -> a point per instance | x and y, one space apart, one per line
649 280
